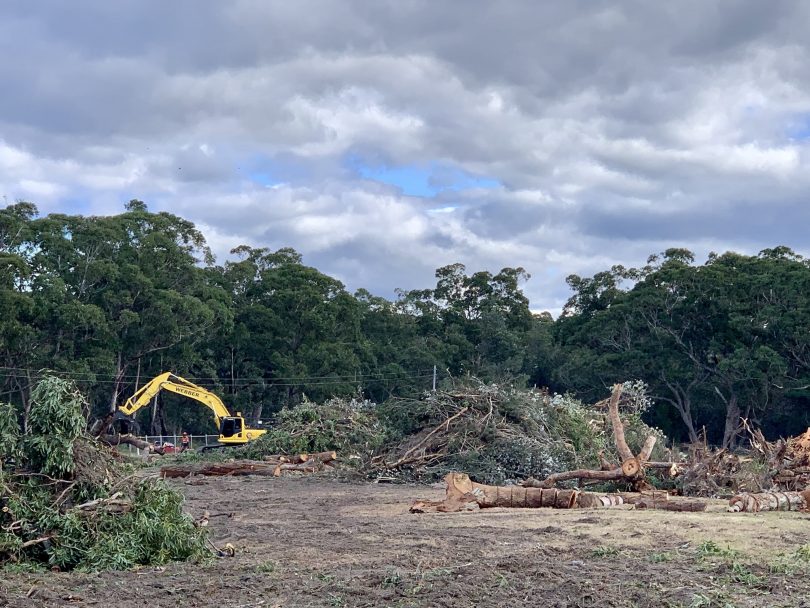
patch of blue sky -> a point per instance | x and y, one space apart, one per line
799 128
260 170
426 180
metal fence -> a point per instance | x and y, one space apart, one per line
197 441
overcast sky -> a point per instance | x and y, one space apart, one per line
383 139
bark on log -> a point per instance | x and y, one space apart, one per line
323 457
302 467
115 439
549 481
616 423
241 467
463 494
769 501
671 505
663 501
218 469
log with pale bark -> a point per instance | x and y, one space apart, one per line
770 501
631 468
323 457
463 494
663 501
114 439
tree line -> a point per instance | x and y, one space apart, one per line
112 301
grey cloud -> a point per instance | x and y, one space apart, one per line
615 128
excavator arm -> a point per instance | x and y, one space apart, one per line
231 428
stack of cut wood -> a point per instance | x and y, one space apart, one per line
273 465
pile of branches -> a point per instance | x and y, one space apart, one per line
66 502
787 461
349 427
721 474
501 434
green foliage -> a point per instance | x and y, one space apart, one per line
9 433
54 424
603 551
46 517
710 548
346 426
503 433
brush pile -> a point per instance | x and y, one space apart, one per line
500 434
66 502
787 461
350 427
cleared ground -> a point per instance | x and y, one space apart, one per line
315 541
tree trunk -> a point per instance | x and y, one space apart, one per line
732 426
769 501
218 469
114 439
465 495
685 410
119 376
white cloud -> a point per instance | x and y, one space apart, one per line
615 129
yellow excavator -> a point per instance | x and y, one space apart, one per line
232 429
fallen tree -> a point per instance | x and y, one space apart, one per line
463 494
630 468
501 434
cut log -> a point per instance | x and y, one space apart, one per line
303 467
115 439
323 457
463 494
769 501
218 469
276 458
552 479
631 468
671 505
271 468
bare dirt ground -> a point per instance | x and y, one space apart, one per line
315 541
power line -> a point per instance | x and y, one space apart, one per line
97 377
314 381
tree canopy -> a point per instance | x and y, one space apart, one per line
112 301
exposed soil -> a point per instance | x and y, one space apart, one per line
315 541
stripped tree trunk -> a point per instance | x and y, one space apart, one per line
770 501
464 494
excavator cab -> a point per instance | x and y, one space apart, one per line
230 426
